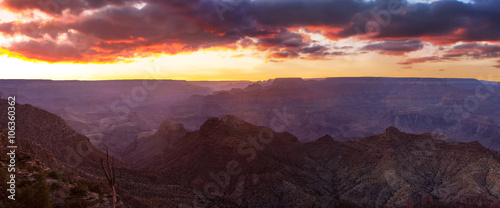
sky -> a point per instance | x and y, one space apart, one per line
248 39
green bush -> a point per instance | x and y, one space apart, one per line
92 186
55 186
4 174
4 177
33 168
77 203
96 188
79 190
40 177
4 159
36 195
58 175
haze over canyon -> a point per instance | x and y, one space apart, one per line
286 142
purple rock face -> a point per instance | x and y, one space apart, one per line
353 108
391 169
111 113
246 165
345 108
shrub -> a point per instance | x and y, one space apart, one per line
4 176
55 186
58 175
79 190
92 186
36 195
77 203
40 177
33 168
95 188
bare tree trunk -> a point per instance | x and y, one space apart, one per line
109 172
114 196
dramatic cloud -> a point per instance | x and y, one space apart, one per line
459 52
313 49
440 22
498 65
410 61
306 12
474 50
47 50
89 30
56 7
283 39
6 27
395 47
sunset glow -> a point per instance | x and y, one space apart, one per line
78 40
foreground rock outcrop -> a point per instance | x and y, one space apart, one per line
231 162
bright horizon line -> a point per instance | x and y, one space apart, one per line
225 80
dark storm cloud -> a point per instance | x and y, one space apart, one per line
287 44
46 50
283 39
305 13
440 21
284 55
395 47
119 28
474 50
55 7
7 27
313 49
459 52
119 31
